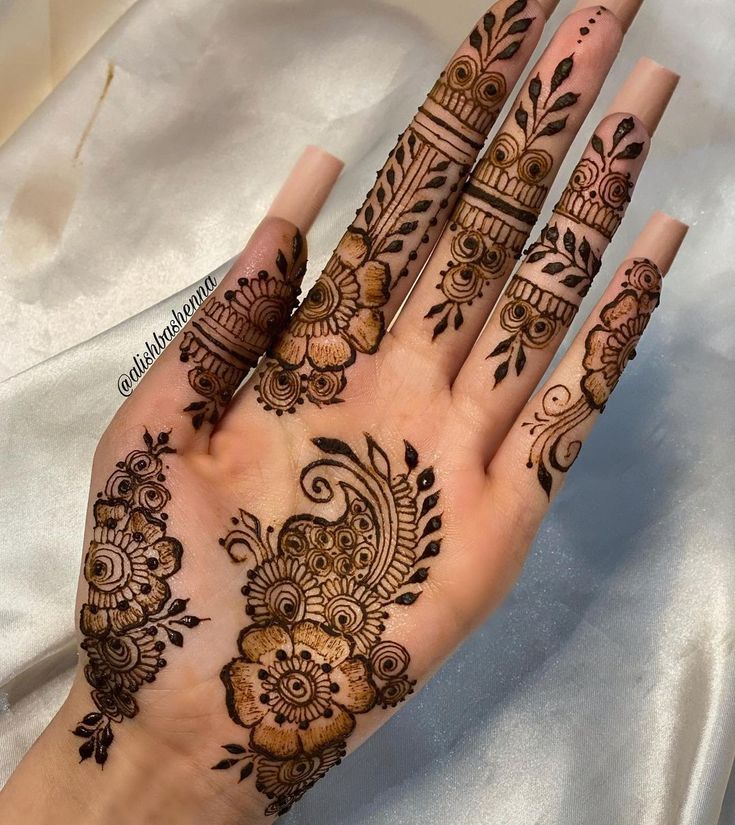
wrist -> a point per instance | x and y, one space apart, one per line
147 782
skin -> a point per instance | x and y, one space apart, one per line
159 768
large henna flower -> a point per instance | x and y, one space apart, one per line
126 567
297 689
341 314
611 344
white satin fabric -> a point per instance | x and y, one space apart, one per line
604 690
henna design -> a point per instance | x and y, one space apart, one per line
599 190
532 315
318 595
343 314
235 329
597 196
610 345
502 200
127 567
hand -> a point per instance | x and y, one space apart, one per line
268 573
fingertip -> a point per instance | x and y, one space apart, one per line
646 93
306 189
624 10
660 241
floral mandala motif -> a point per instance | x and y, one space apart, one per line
129 560
318 594
609 346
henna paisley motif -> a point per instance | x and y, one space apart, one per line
127 567
318 594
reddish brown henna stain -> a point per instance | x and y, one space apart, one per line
129 617
318 594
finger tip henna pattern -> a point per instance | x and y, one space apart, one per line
344 313
127 567
314 656
225 341
609 346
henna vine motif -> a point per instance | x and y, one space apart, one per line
609 347
531 315
127 567
235 329
599 190
343 314
597 196
503 198
318 596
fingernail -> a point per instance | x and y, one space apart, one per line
307 188
646 93
660 241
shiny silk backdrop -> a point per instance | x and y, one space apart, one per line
604 690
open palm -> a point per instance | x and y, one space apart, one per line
317 541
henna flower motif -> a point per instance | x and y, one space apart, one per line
352 610
282 590
286 780
297 689
612 344
340 315
128 561
122 663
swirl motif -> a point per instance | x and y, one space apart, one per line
615 189
120 485
534 165
323 387
143 464
462 73
321 301
490 89
467 246
536 328
584 176
279 388
394 692
107 567
462 283
207 384
643 276
389 660
504 150
152 496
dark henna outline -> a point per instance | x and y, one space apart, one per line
597 196
609 346
598 191
318 595
533 316
498 207
233 331
343 314
129 560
